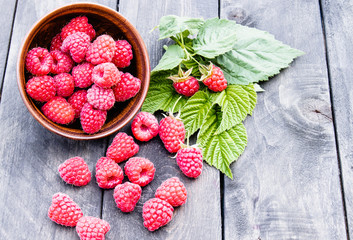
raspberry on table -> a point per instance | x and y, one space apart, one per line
127 87
172 133
92 228
62 62
41 88
122 148
59 110
65 85
78 24
92 119
75 171
189 160
105 75
214 79
123 54
140 170
145 126
64 210
77 100
102 50
100 98
108 173
77 45
39 61
126 196
56 43
172 191
156 213
82 75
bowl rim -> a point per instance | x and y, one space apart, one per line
52 127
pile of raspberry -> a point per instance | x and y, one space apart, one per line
80 76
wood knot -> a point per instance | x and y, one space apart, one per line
238 15
317 110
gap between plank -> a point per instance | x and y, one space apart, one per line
327 58
221 192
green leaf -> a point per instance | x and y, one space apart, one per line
222 149
258 88
250 89
171 58
161 94
255 56
215 37
194 112
172 25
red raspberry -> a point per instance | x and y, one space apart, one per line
77 100
77 45
215 80
122 148
139 170
41 88
172 191
39 61
108 173
78 24
105 75
101 50
65 85
59 110
156 213
82 75
123 54
62 62
92 228
75 171
92 119
126 196
100 98
145 126
187 87
56 43
64 210
127 87
189 160
172 133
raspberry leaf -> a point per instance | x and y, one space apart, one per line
255 56
171 58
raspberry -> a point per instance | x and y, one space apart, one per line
56 43
77 100
92 119
82 75
100 98
59 110
145 126
101 50
108 173
77 45
92 228
126 196
62 62
139 170
123 54
39 61
172 133
64 210
122 148
214 79
189 160
41 88
65 85
172 191
185 84
127 87
75 171
78 24
105 75
156 213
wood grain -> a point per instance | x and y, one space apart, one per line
200 217
287 182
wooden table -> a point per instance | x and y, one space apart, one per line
294 179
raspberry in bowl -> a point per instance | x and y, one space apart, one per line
66 41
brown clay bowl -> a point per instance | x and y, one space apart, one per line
104 20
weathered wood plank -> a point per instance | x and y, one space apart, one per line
200 217
287 182
337 21
30 155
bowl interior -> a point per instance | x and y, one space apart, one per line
104 21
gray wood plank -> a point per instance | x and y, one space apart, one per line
30 155
287 182
337 21
200 217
